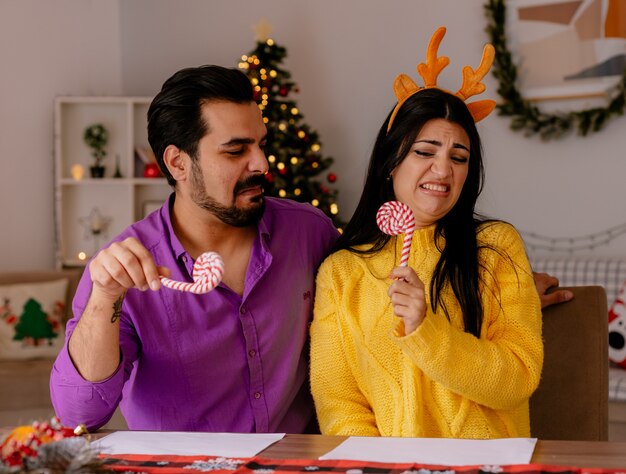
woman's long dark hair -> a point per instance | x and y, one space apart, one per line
458 264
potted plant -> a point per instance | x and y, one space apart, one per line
96 138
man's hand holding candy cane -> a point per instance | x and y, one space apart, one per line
407 292
94 345
124 265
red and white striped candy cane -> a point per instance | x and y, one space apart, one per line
208 271
395 218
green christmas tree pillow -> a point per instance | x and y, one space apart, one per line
32 319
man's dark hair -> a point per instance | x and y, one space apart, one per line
175 114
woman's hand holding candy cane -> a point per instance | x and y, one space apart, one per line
407 292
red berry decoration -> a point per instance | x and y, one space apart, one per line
283 91
332 177
269 177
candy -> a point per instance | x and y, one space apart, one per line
207 274
395 218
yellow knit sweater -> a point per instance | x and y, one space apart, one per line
368 379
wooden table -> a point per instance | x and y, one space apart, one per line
610 455
602 454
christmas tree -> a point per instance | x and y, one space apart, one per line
296 164
34 324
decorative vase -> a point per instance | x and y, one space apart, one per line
118 171
97 171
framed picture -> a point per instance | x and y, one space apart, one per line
567 49
151 206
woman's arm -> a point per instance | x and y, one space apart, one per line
502 368
341 407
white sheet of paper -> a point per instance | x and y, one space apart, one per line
440 451
232 445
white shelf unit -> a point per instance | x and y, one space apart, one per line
118 201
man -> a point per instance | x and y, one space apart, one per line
229 360
232 360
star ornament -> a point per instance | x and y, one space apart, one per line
95 223
262 31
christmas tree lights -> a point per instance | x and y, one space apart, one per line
296 164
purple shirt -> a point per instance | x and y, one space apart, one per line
215 362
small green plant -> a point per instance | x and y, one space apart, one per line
96 138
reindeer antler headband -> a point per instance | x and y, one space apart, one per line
404 87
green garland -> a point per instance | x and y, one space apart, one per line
527 117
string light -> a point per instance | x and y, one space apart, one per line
315 164
283 106
265 119
280 166
334 209
282 127
294 160
254 81
315 202
591 241
301 134
315 147
297 191
294 111
273 73
282 193
271 158
270 42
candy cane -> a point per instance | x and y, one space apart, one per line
395 218
208 271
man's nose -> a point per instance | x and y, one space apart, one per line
258 162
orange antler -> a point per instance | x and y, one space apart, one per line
434 65
471 79
404 87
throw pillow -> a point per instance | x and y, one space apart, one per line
31 319
617 329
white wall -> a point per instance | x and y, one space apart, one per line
343 55
47 48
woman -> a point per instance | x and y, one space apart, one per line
449 346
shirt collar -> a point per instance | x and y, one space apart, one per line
177 247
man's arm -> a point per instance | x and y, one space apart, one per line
544 282
94 345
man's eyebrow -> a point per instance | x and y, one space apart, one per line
437 143
238 141
242 141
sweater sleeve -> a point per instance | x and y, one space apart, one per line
77 400
502 368
342 408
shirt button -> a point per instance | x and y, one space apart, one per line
242 310
184 258
251 352
257 395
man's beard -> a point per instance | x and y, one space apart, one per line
228 215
